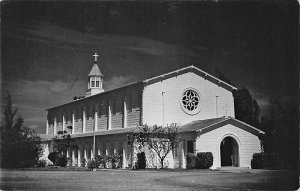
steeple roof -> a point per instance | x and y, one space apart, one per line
95 71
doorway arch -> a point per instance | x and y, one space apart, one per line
229 149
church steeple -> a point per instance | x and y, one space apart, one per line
95 79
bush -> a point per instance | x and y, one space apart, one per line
115 160
53 157
190 161
62 160
204 160
41 163
141 160
257 161
92 165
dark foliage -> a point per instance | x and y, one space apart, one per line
257 161
245 107
204 160
54 157
20 145
141 160
190 161
41 163
62 160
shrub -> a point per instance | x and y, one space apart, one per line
103 160
62 160
257 161
92 165
115 160
83 162
141 160
204 160
53 157
190 161
41 163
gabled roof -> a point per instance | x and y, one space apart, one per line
194 69
95 71
205 126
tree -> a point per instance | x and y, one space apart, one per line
20 145
157 138
63 142
246 107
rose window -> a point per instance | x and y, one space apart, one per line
190 101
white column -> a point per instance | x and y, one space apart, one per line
125 114
183 161
124 156
73 157
78 158
83 120
63 122
96 119
73 122
109 116
55 124
67 153
47 126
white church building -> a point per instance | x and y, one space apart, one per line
200 103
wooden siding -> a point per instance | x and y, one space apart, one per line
50 129
116 121
89 124
210 142
133 118
173 89
59 127
78 126
102 123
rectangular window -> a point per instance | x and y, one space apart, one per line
93 84
97 83
190 146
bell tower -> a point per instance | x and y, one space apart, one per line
95 79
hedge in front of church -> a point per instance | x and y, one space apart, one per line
203 160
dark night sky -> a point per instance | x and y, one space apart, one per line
47 47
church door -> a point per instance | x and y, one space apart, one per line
229 152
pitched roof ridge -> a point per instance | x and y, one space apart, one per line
95 71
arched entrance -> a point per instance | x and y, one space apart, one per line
229 152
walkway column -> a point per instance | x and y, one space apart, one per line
109 116
63 122
73 122
83 120
96 119
183 160
47 126
125 113
78 158
55 124
73 157
124 156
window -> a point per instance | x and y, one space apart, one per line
97 83
190 101
190 146
93 84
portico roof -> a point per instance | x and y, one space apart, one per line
204 126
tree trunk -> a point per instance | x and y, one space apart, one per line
162 163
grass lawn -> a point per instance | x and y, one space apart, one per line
175 180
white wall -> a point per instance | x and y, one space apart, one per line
210 142
173 89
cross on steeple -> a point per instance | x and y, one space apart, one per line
96 55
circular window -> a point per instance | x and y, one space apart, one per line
190 101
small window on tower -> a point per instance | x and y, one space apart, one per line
93 84
97 83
